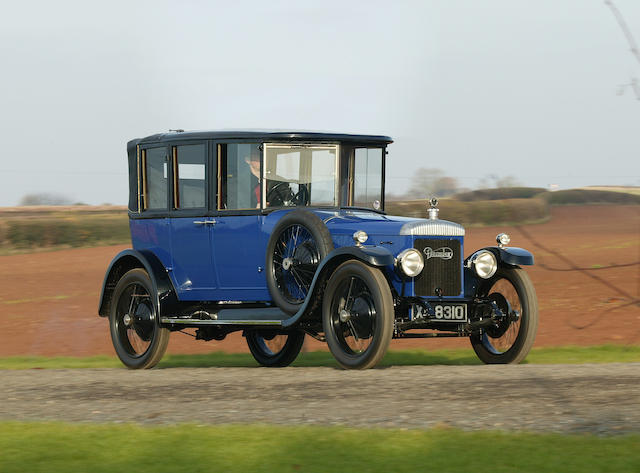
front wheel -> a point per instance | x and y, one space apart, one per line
137 337
274 349
512 338
357 315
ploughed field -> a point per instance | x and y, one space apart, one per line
587 276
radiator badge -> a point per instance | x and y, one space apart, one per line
442 253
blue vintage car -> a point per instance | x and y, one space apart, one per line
282 234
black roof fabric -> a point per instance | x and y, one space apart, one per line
262 135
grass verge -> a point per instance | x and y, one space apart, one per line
548 355
54 447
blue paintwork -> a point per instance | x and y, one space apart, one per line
193 265
225 261
239 248
154 235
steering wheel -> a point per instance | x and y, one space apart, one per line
281 195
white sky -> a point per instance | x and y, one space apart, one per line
506 87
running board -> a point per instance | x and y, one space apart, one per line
186 321
241 316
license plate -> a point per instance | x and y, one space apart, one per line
443 312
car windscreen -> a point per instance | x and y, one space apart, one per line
300 175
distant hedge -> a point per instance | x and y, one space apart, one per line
485 212
500 193
587 196
80 230
46 227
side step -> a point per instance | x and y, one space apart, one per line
259 316
187 321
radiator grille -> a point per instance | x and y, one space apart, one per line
442 263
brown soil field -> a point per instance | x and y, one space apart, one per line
587 277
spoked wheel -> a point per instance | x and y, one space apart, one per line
297 245
137 337
512 338
274 349
295 258
357 315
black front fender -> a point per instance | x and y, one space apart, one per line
511 256
164 293
371 255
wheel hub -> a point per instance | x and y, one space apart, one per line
500 328
362 315
287 263
344 315
142 321
128 320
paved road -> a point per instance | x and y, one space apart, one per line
562 398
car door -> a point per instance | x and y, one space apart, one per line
192 268
238 243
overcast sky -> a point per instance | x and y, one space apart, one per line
505 87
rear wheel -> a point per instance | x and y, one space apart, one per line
137 337
273 349
357 315
512 338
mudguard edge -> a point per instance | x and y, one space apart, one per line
371 255
130 259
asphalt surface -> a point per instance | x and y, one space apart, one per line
603 399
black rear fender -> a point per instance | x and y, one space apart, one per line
164 294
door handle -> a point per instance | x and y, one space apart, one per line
204 222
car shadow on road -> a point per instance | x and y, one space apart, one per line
317 359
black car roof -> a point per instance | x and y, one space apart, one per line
262 135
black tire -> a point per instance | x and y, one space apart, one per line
298 243
510 342
275 349
360 338
136 334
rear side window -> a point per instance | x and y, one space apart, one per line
155 181
189 164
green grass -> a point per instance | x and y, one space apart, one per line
55 447
549 355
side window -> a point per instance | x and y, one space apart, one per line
367 177
189 165
239 176
154 169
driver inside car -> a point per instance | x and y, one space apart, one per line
275 188
253 161
254 165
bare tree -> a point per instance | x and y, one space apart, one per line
45 198
493 180
634 85
429 182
